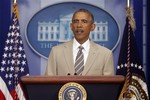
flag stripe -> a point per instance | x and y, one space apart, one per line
20 92
4 90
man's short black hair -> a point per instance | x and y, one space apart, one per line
86 11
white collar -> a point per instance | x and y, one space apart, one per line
76 44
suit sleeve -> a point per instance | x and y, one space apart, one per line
109 65
51 64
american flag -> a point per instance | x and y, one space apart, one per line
14 62
129 64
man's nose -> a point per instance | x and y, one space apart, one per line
79 24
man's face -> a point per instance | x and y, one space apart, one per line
81 26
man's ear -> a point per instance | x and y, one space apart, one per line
93 27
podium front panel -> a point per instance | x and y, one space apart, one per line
97 87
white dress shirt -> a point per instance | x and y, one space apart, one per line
85 45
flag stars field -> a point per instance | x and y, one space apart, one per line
7 41
6 48
2 69
12 68
132 65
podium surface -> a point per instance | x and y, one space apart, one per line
97 87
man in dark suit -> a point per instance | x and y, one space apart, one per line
93 59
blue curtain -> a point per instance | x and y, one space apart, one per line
148 45
5 11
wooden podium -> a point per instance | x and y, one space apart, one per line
97 87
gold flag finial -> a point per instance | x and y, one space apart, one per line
15 8
15 1
128 3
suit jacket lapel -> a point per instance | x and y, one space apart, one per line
90 59
68 56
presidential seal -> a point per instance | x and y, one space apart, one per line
72 91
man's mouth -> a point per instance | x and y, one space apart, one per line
80 31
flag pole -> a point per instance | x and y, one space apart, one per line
128 96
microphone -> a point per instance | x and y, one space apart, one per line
75 73
68 74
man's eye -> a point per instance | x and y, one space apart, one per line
84 21
75 21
